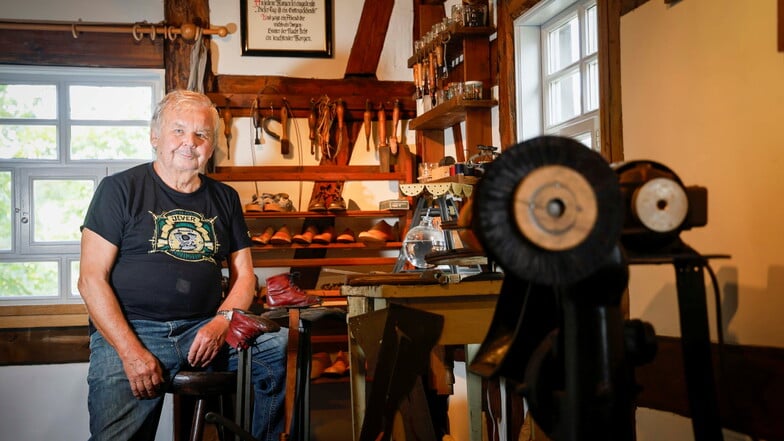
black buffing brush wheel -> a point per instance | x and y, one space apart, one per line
548 210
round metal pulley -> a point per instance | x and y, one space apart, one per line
548 210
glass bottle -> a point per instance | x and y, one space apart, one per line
422 240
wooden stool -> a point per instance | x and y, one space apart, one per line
203 386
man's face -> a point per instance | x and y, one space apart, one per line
185 140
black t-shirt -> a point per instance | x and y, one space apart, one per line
171 244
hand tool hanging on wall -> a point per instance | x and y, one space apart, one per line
368 118
383 147
340 111
285 145
226 114
395 119
255 114
312 118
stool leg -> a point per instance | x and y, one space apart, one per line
197 429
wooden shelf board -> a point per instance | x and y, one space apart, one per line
305 173
326 261
250 215
448 114
332 246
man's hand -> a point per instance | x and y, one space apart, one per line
208 342
144 374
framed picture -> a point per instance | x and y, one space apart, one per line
286 28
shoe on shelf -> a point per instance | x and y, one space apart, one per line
306 237
284 202
336 205
325 237
378 233
263 238
282 292
281 237
254 205
270 202
347 236
339 368
318 362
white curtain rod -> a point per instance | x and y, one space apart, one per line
188 31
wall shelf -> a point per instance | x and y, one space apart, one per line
448 114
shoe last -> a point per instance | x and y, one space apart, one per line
380 232
339 368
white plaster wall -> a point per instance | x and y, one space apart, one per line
703 93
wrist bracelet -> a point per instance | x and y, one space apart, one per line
227 314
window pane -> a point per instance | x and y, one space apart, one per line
563 45
6 211
28 279
28 142
111 103
59 207
585 138
29 101
107 142
592 85
74 292
564 98
591 33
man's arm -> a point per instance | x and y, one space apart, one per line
142 368
242 289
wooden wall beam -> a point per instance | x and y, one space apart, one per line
238 92
177 53
369 39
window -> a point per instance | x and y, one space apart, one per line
61 131
558 71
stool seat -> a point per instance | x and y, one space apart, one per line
197 383
203 385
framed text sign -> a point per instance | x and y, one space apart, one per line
286 28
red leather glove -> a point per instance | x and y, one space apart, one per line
244 327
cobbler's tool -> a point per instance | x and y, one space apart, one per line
312 121
226 115
285 144
367 119
395 120
383 144
549 211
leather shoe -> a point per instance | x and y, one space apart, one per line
281 237
380 232
283 293
244 327
339 368
325 237
347 236
263 238
306 237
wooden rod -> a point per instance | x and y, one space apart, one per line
188 31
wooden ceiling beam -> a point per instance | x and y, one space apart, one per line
369 39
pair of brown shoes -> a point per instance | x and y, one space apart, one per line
280 237
311 234
279 202
327 198
380 232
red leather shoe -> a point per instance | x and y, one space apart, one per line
283 293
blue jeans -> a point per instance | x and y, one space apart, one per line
115 414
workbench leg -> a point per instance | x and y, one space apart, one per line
473 396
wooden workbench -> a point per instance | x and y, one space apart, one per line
467 309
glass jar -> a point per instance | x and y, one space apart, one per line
422 240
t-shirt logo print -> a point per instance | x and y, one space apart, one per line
185 235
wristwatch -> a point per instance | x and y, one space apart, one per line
227 314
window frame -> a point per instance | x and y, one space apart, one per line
530 30
26 171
